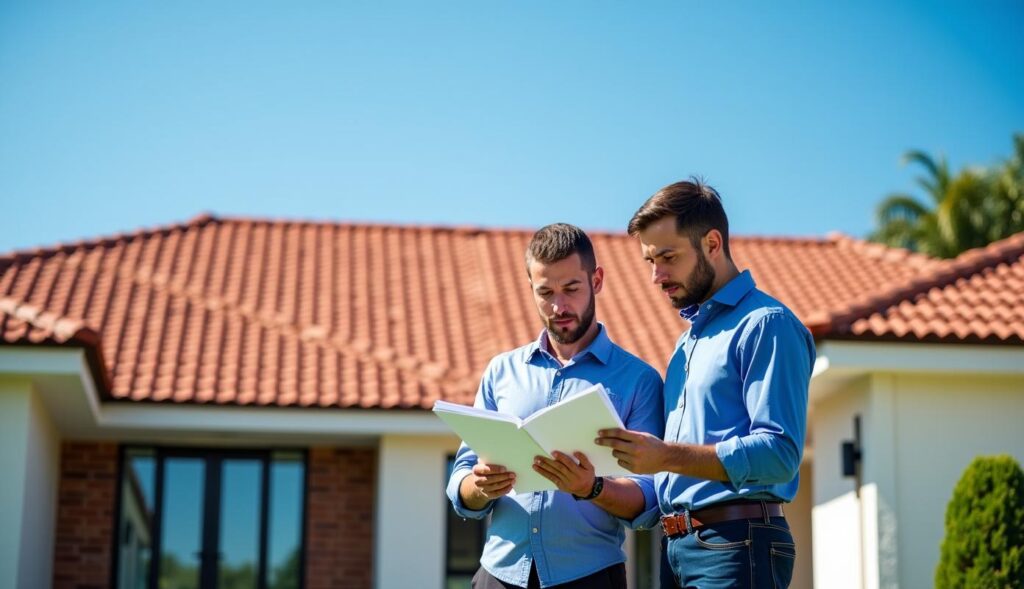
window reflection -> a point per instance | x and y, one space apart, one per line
285 533
465 545
181 527
136 525
207 509
240 524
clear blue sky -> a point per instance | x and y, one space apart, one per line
116 115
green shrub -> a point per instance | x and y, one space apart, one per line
984 543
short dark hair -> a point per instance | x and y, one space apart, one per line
556 242
696 206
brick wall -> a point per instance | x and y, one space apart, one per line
85 515
340 516
339 528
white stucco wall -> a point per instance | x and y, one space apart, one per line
836 514
798 514
942 423
30 462
919 433
410 541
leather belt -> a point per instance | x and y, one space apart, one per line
676 524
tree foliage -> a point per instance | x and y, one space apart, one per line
984 543
969 209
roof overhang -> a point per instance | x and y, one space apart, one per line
63 379
839 363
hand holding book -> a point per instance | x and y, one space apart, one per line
568 426
487 483
572 474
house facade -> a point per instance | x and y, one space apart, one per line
245 403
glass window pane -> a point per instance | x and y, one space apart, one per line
239 523
643 556
465 544
138 481
181 523
284 535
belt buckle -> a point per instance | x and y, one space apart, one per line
670 524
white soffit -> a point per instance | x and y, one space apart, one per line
63 379
839 363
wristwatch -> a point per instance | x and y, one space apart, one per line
594 491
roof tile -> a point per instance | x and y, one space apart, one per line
255 312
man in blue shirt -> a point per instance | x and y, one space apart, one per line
736 396
572 537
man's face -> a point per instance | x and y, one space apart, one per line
681 270
564 294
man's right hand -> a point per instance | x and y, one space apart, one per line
485 484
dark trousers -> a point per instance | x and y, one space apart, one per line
613 577
739 554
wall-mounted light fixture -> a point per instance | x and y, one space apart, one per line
852 451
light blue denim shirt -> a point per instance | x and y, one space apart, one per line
745 366
567 539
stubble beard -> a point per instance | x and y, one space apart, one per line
697 286
573 336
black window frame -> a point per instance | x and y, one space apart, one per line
161 452
481 525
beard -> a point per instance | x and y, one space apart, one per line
697 286
564 336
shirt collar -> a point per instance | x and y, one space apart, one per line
600 348
730 294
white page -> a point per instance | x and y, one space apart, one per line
497 439
572 424
473 411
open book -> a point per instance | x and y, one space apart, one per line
567 426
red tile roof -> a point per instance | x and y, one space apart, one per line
284 313
976 298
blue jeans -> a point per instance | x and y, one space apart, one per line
747 554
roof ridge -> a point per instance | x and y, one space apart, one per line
877 250
45 252
455 228
59 329
941 274
205 218
64 329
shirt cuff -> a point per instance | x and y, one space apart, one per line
454 483
647 518
733 456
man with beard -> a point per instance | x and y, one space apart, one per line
572 537
736 392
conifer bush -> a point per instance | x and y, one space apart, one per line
984 543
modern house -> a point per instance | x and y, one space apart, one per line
235 403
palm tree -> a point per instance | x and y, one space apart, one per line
1009 187
969 210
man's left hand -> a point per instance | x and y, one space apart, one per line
565 473
638 452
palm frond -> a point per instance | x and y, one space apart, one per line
937 179
899 206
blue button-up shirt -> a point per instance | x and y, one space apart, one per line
567 539
738 380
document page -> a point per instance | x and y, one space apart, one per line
572 424
497 439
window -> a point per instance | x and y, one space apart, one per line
210 519
465 544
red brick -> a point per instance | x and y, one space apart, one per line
339 521
85 521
